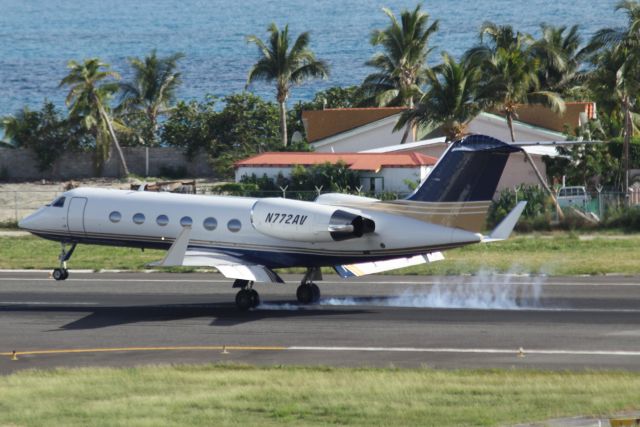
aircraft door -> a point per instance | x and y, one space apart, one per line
75 215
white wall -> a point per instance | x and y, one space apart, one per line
519 171
365 138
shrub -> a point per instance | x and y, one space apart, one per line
627 218
536 216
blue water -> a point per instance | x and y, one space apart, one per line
38 37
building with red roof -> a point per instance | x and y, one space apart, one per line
378 171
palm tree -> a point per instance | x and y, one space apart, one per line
286 66
561 54
403 64
402 67
624 45
510 79
152 90
450 101
88 100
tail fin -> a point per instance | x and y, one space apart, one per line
469 171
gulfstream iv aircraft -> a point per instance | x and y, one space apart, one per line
247 238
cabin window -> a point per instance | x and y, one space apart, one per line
162 220
138 218
234 225
186 221
58 203
210 223
115 216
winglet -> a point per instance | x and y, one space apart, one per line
504 229
175 254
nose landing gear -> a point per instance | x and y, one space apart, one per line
62 273
308 292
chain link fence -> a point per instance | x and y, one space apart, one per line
15 205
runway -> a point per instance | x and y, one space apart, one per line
490 321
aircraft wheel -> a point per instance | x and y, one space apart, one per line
59 274
244 299
316 292
255 298
66 273
305 294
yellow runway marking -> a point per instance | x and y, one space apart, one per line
167 348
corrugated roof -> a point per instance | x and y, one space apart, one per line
356 161
320 124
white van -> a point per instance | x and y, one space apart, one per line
573 196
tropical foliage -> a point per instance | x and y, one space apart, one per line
451 100
46 132
91 87
151 93
286 66
402 65
246 125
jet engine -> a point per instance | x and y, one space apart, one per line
308 222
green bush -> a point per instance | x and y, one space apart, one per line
536 216
627 218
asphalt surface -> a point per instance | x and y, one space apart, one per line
125 319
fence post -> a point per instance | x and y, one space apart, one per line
15 199
599 190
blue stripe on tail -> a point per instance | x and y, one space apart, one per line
469 171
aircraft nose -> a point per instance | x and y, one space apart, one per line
24 222
29 222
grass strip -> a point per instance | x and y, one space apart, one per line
557 254
224 395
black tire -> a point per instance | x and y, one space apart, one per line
255 298
305 294
316 292
66 273
58 274
244 300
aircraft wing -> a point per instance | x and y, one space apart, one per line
364 268
230 266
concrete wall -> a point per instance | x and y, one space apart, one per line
21 165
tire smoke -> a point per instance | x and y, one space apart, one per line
486 291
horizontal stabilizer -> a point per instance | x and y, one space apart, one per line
175 254
364 268
552 143
504 229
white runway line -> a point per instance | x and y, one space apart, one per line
471 350
61 303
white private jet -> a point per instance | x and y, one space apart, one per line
247 238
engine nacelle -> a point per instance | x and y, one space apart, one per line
307 221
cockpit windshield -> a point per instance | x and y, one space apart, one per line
58 203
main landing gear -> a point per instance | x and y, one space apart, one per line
308 292
62 273
247 297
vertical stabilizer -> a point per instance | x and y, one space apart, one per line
469 171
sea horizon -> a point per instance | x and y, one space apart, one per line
39 37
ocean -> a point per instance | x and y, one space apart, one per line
39 37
